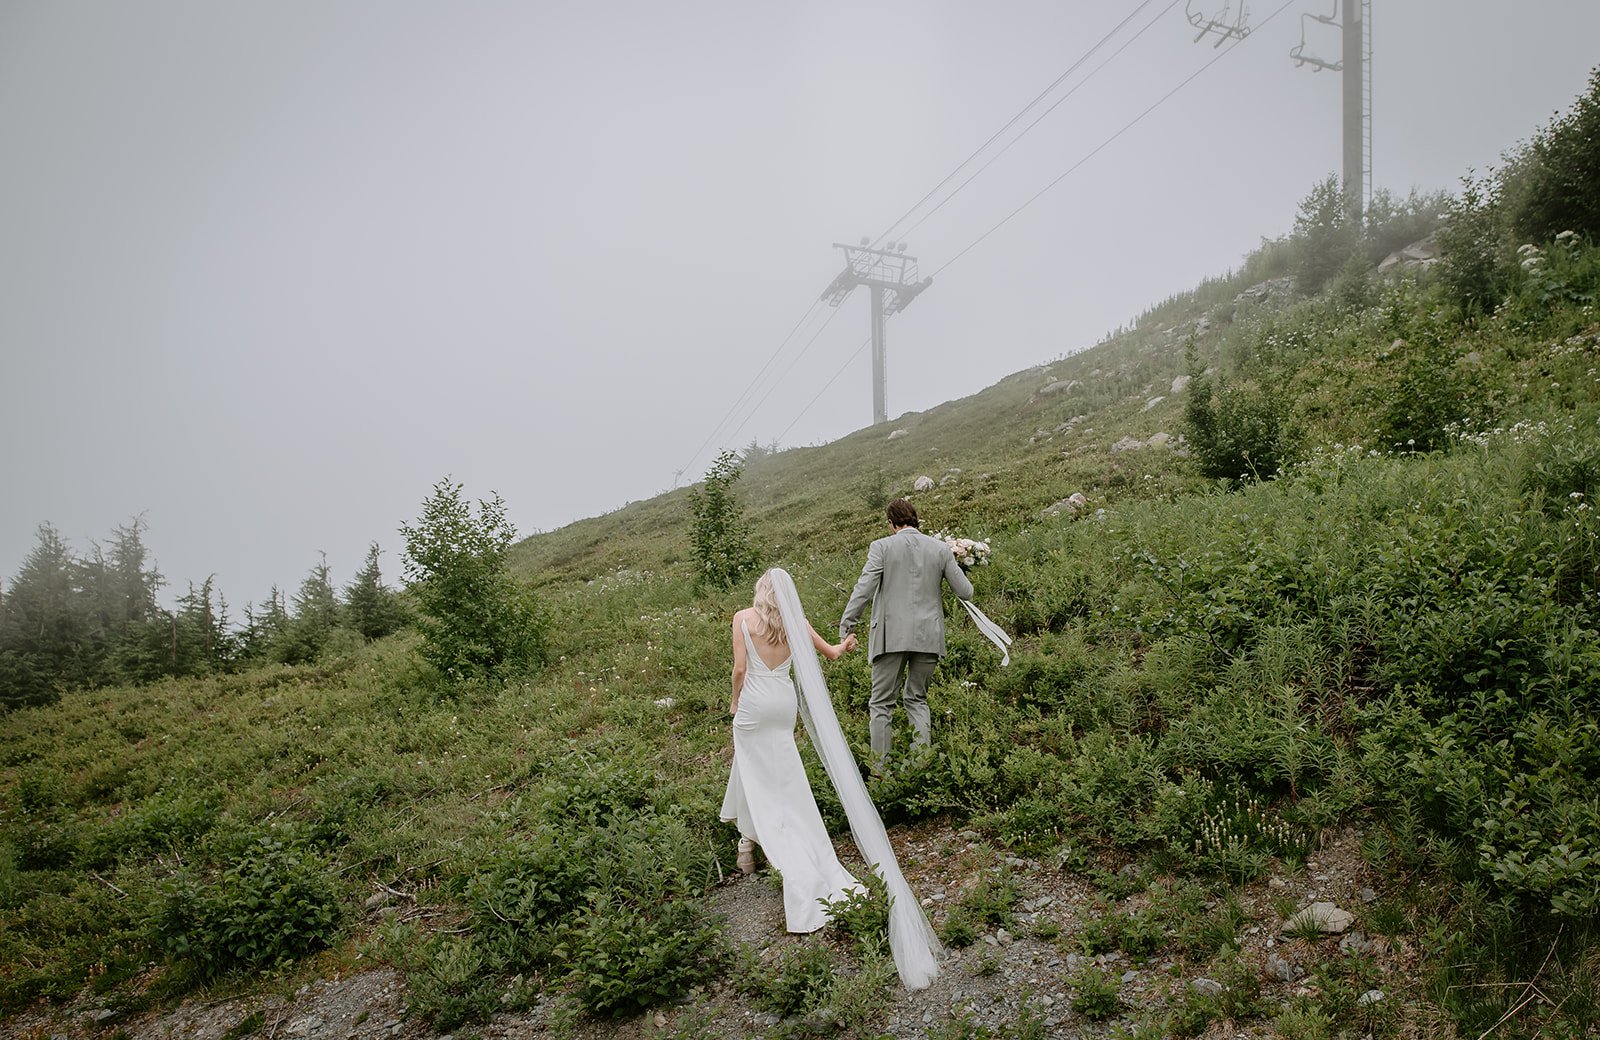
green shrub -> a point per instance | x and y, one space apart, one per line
719 543
958 930
1559 187
1475 268
628 958
473 617
1097 995
1236 431
799 982
864 914
274 902
451 984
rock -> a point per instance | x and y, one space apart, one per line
377 899
1368 896
1129 975
1370 997
1328 919
897 434
660 1020
767 1018
1180 384
1003 936
1069 505
1152 403
1158 440
1355 942
923 483
1277 883
666 702
1127 444
1206 987
1471 359
1418 256
1279 968
1058 386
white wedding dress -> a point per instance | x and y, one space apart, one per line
769 796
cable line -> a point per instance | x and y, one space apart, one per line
857 353
1102 145
746 391
757 407
1037 195
1013 121
994 158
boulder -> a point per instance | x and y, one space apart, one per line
1328 919
1418 256
1152 403
923 483
1071 505
1058 386
896 435
1180 384
1158 440
1127 444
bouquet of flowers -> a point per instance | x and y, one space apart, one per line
969 552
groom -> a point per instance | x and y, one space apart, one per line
902 582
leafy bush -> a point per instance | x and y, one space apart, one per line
800 981
627 958
863 914
1474 268
473 618
719 543
1097 996
1559 187
1236 431
1325 236
450 984
273 903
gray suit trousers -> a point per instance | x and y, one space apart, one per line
887 669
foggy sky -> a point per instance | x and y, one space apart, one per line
268 271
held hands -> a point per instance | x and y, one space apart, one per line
850 643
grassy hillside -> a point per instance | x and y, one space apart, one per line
1390 645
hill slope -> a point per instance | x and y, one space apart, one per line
1375 671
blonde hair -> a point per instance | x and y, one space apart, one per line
766 607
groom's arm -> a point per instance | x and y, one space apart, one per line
959 583
866 588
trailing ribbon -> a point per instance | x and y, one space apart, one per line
991 631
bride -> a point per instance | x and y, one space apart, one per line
769 797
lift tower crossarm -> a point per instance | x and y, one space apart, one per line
892 277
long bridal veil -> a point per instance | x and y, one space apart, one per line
912 940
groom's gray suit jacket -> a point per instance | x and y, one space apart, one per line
901 581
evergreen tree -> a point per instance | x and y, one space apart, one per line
44 630
201 642
263 627
136 626
316 615
371 607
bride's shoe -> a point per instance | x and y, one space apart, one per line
746 861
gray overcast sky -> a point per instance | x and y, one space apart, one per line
269 270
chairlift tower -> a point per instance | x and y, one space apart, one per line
892 277
1356 91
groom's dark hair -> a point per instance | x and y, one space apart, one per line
902 514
